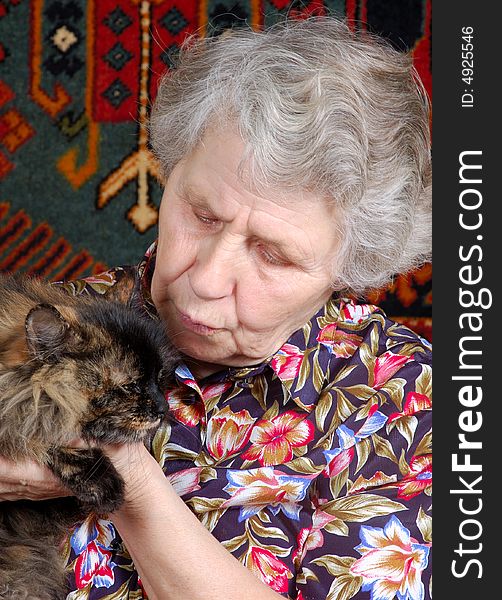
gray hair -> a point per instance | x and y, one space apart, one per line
320 109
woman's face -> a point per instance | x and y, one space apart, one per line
237 273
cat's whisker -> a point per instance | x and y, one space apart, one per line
90 474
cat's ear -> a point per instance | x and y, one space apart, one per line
46 330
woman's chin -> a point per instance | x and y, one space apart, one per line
203 350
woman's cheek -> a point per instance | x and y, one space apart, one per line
256 303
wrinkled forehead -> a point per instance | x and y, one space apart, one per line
219 167
223 149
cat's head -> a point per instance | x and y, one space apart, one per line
107 362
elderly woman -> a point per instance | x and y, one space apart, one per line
297 464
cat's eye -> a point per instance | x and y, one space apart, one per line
132 388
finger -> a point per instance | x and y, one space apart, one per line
24 489
28 480
28 471
34 494
80 443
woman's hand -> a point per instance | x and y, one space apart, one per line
28 480
135 465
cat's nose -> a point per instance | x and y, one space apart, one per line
159 401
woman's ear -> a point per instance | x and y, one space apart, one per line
46 331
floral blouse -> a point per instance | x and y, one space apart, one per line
313 469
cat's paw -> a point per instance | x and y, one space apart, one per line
102 497
91 476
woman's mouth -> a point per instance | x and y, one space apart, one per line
195 326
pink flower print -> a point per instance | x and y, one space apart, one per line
212 390
269 568
413 403
287 361
312 537
307 539
386 365
273 441
228 432
92 529
341 344
356 313
186 481
255 489
188 413
418 479
338 460
94 566
193 412
184 375
91 541
391 562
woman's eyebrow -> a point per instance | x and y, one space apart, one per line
188 191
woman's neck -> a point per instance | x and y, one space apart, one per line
201 369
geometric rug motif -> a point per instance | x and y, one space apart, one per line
78 186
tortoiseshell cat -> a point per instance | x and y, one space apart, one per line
69 367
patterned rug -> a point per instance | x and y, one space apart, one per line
78 191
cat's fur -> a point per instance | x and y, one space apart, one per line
69 367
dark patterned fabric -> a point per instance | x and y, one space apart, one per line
78 188
313 468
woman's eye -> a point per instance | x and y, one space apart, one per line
273 258
206 219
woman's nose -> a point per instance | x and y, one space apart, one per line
214 272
